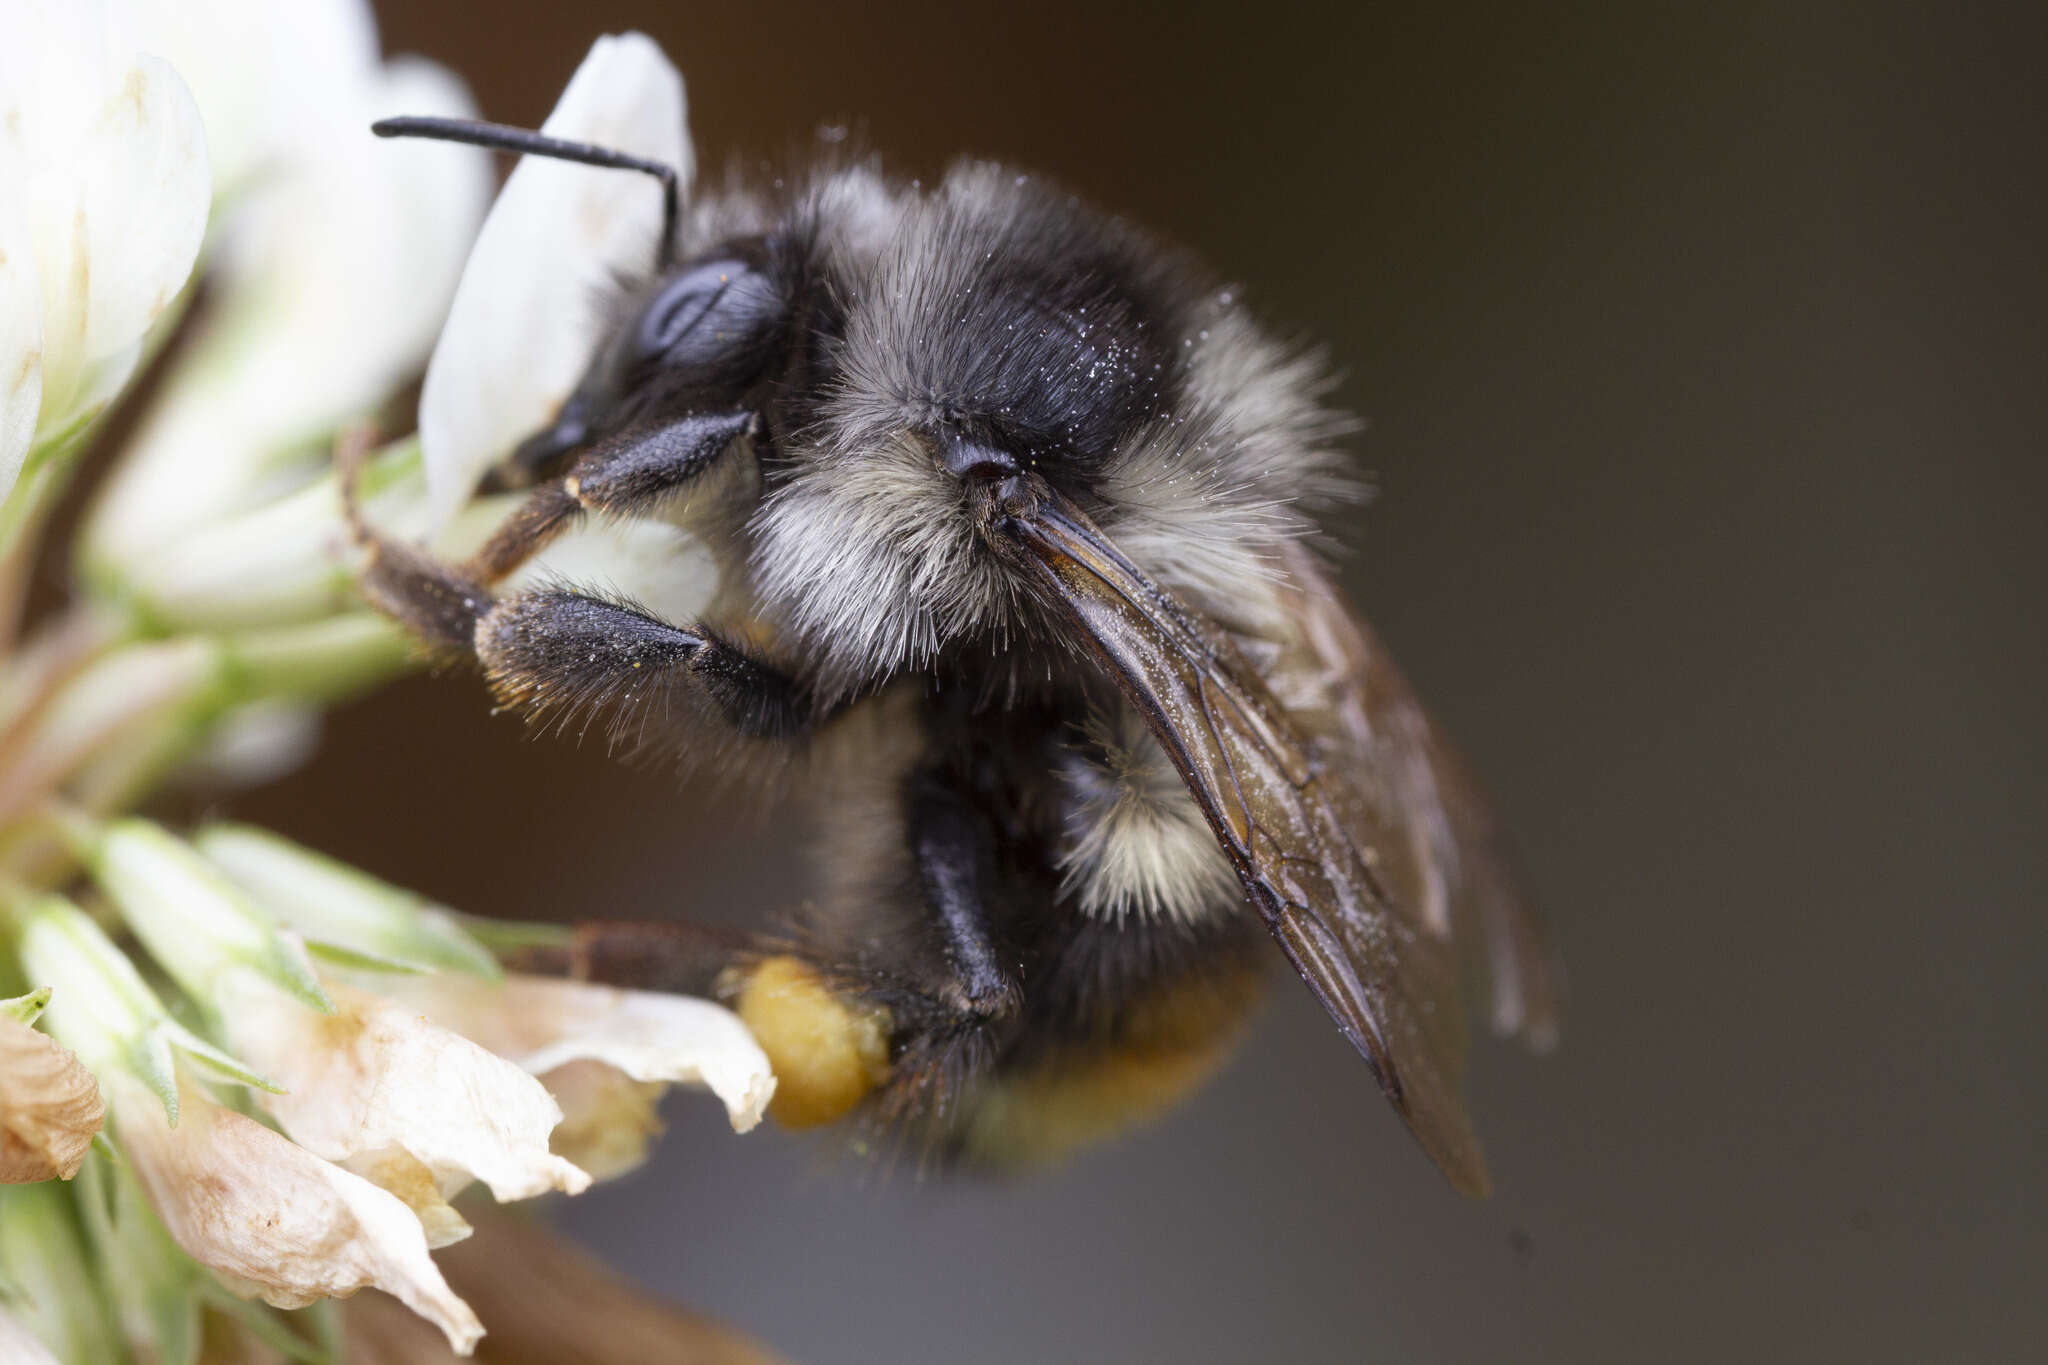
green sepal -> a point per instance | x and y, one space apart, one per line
357 960
342 910
149 1275
26 1009
265 1324
102 1009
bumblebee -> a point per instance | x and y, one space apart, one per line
1014 513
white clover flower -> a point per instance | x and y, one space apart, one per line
374 1029
107 186
272 1220
522 327
335 262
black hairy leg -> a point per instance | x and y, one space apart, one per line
891 1007
952 845
557 654
954 1004
436 603
621 475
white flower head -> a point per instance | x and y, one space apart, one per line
107 187
334 269
523 325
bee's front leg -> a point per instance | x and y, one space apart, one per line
557 653
621 475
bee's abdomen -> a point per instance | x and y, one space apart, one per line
1068 1090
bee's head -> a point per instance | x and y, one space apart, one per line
1006 347
930 370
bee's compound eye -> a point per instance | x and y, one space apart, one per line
975 461
708 315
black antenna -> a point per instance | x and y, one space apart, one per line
506 138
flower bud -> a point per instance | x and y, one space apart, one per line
343 914
194 920
101 1008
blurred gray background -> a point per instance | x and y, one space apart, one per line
1704 357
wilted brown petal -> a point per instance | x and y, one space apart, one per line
608 1118
271 1219
543 1023
49 1106
375 1080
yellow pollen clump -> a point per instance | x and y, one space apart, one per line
826 1055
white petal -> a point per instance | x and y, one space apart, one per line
144 199
658 565
523 327
412 1182
376 1077
270 1218
335 274
113 187
19 1346
263 73
542 1023
21 328
608 1118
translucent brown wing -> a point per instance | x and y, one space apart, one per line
1443 859
1322 847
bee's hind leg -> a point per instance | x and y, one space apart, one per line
646 955
894 1013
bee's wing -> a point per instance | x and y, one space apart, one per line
1309 844
1442 858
